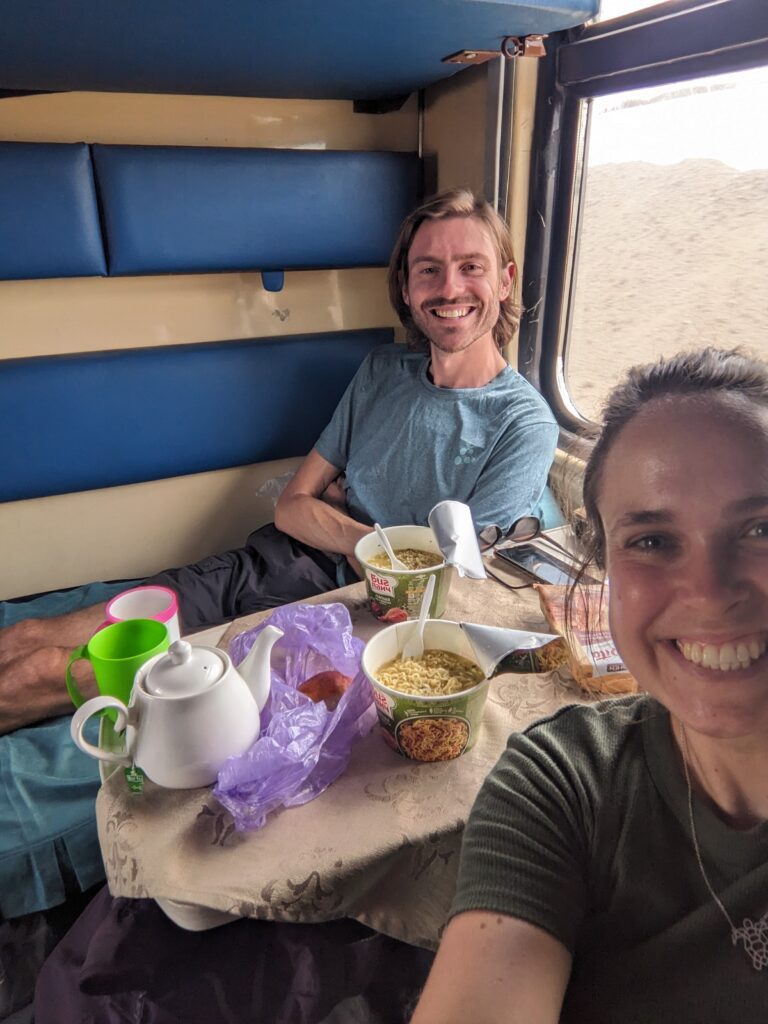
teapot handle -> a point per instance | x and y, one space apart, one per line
81 716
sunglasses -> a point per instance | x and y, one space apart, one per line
524 529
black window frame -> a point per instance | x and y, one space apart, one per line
671 42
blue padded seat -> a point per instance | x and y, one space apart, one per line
192 209
49 220
109 418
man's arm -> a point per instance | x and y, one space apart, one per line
33 660
303 514
492 969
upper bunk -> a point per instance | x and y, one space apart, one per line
340 49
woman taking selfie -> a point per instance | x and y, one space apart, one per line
615 865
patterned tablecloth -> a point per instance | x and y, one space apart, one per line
380 845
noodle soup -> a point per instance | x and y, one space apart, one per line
437 725
411 558
434 674
395 595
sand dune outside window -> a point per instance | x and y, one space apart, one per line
674 240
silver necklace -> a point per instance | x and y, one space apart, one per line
754 934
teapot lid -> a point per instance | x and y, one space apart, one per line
184 670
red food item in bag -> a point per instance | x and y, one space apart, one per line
328 686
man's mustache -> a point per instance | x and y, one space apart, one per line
460 301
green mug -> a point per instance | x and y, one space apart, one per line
116 653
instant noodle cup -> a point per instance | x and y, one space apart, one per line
436 728
396 595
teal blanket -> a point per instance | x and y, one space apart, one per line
47 789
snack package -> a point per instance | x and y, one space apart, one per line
592 655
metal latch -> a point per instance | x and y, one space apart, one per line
524 46
511 46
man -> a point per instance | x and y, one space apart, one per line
444 418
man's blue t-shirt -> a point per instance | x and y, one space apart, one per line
405 444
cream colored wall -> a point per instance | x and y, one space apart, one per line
455 129
61 541
92 314
460 125
142 120
521 141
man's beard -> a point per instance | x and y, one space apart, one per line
442 347
484 318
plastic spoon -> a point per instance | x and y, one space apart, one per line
394 560
414 645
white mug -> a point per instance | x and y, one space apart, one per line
150 602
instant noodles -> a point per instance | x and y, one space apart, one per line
396 594
443 722
436 673
411 558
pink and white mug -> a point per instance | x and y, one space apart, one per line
149 602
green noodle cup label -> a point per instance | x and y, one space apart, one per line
396 596
436 728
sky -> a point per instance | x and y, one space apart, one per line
717 118
722 122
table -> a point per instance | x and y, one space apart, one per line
380 845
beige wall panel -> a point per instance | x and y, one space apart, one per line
87 314
523 117
454 128
520 158
129 532
150 120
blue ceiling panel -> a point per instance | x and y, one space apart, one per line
343 49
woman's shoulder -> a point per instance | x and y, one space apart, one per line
608 722
586 743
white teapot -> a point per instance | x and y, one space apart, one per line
190 709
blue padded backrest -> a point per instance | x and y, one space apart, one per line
98 420
49 221
185 209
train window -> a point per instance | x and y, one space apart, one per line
673 238
615 8
648 230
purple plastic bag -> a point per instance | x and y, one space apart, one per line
303 747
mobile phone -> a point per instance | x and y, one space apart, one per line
543 566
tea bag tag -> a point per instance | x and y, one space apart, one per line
134 776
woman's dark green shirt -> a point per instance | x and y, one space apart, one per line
583 829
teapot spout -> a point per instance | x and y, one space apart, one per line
255 667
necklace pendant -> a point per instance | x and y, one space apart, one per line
754 935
